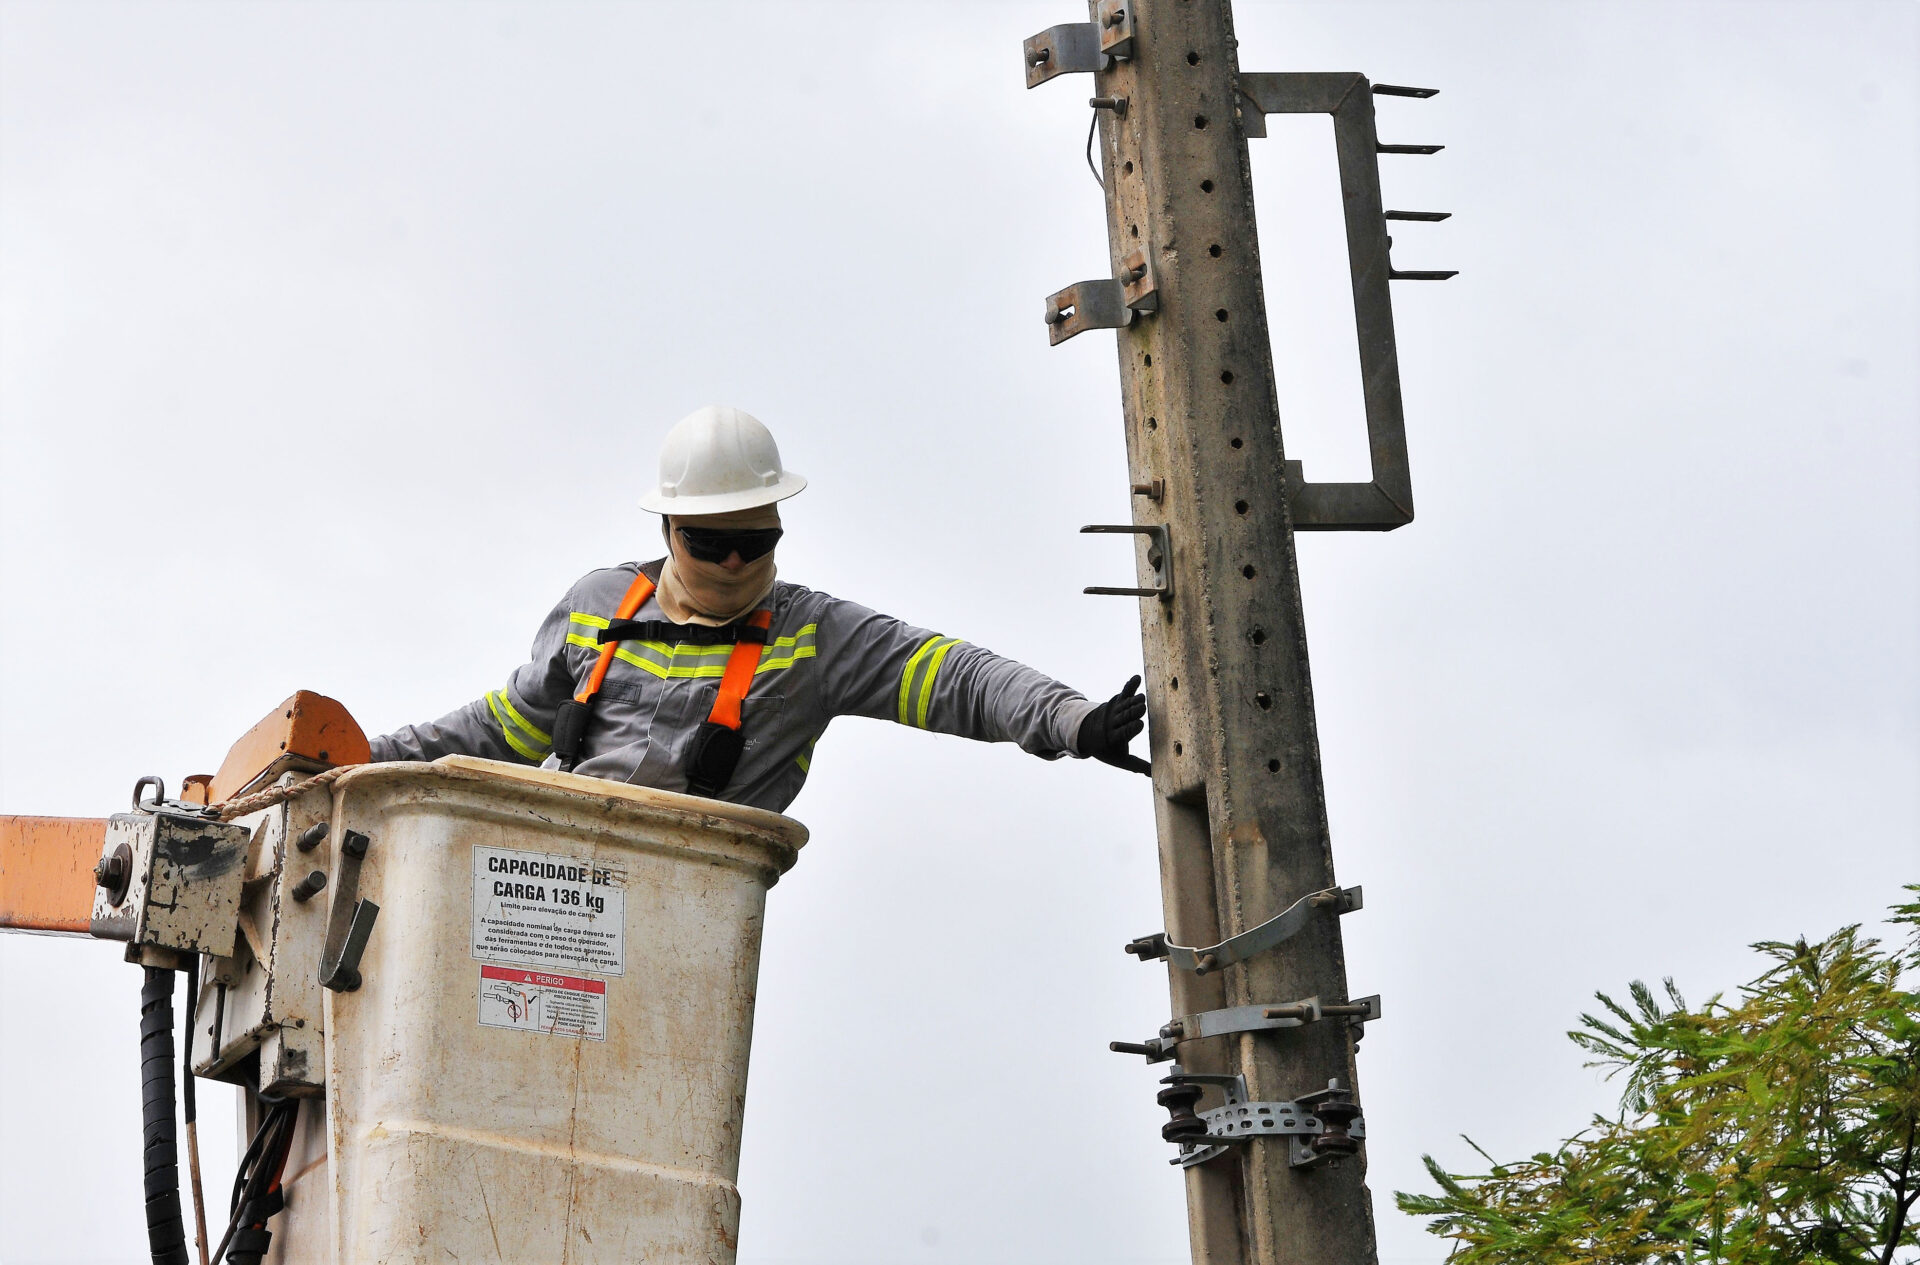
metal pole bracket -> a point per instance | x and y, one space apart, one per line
1238 1019
1387 501
1071 48
1323 1125
1114 18
1282 926
1085 305
1159 557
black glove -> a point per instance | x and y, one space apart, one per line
1108 728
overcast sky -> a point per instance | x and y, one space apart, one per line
336 341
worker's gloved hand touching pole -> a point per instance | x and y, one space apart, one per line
1108 728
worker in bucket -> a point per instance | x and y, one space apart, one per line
701 672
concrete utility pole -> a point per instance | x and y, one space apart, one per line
1264 1024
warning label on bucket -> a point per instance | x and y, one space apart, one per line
542 909
558 1005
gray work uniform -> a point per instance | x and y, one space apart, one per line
824 658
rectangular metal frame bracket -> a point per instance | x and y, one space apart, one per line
1159 557
1387 501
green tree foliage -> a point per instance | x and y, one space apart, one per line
1776 1128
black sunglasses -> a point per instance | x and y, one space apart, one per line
709 544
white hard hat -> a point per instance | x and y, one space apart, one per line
717 460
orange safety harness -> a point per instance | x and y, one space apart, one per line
717 747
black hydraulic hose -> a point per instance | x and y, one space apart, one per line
166 1233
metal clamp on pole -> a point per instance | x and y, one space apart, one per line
1281 927
1159 557
1321 1126
1085 305
1080 47
1237 1019
1103 303
349 919
1071 48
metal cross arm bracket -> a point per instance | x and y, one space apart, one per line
1102 303
1387 501
1159 557
1281 927
1078 47
1237 1019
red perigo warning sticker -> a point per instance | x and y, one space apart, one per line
540 1001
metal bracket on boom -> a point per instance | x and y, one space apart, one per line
1321 1126
1282 926
349 919
1159 557
1238 1019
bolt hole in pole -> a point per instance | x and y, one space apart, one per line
1235 442
1248 571
1259 637
1220 315
1174 683
1152 424
1178 749
1206 186
1273 766
1193 59
1127 166
1265 700
1240 507
1214 250
1199 122
1147 360
1226 376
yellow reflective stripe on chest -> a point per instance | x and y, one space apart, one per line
679 662
916 679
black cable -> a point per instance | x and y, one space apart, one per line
160 1146
256 1186
1093 124
188 1113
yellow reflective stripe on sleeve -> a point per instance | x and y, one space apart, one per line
906 679
926 682
575 639
591 621
532 731
920 669
506 729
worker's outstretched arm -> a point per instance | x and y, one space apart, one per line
512 723
894 671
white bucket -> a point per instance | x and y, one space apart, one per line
524 1076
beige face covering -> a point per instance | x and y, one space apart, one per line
696 592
